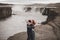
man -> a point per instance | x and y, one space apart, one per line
30 30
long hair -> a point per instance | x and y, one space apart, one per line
33 22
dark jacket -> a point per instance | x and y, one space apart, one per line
30 32
30 27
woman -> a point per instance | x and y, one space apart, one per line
30 30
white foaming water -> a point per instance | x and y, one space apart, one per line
16 23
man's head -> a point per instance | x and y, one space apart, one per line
29 21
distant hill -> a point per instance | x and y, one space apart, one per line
54 5
45 5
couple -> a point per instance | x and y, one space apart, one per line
30 30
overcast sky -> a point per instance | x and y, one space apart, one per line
30 1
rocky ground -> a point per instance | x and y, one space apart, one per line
42 32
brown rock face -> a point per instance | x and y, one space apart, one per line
5 12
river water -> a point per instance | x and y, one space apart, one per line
17 23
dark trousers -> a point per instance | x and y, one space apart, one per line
31 35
